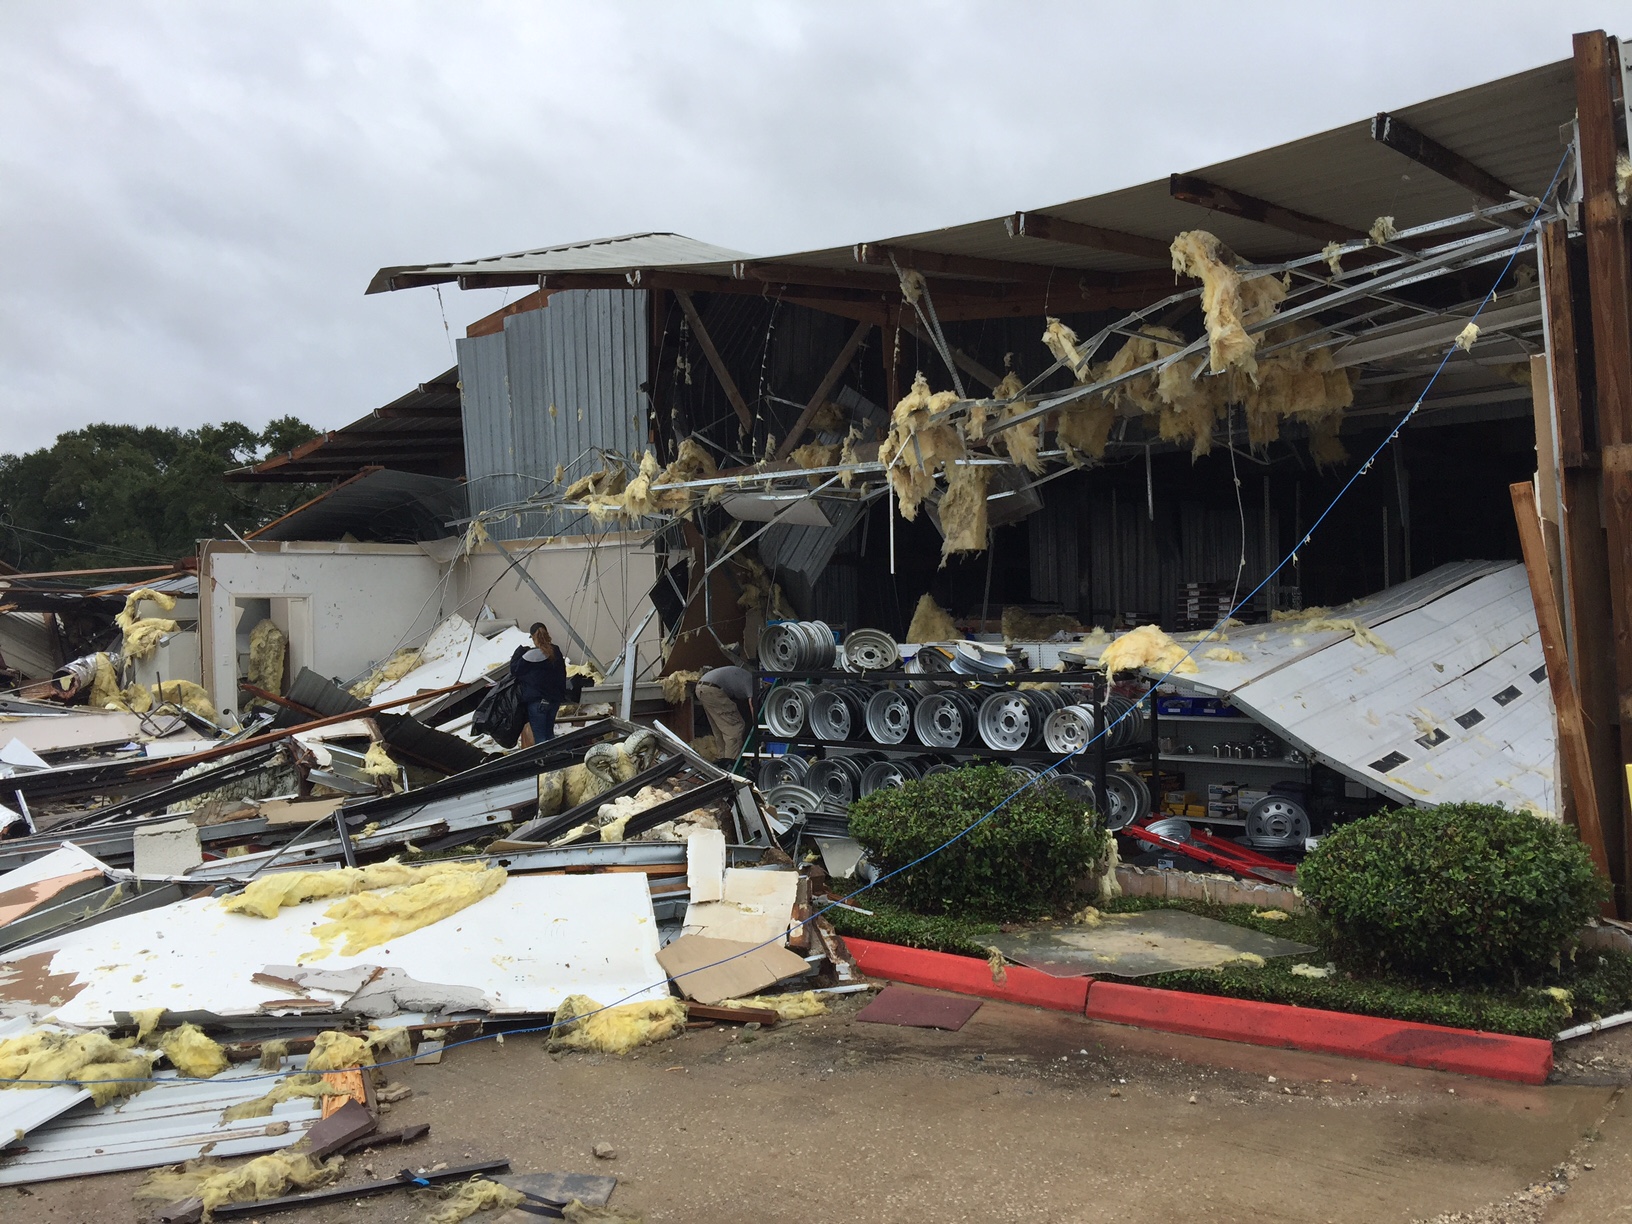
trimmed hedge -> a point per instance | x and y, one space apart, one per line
1462 892
1028 859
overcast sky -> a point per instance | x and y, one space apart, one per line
194 196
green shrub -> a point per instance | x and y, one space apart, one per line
1463 892
1029 859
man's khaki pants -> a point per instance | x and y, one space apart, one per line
724 717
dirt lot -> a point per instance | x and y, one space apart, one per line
1023 1115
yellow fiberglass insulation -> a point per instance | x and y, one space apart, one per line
192 1053
267 647
1230 303
815 455
104 684
1223 654
1019 442
915 450
604 483
1085 429
1382 230
377 764
963 510
588 671
787 1006
1136 351
1146 647
1363 635
147 1019
477 1194
296 1087
184 693
337 1051
263 897
691 463
1062 342
848 457
931 622
367 920
582 1024
142 634
1191 402
1332 253
271 1176
676 685
93 1060
394 668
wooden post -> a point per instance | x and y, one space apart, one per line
1572 737
1609 282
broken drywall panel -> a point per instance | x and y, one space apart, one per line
166 848
83 728
705 865
757 906
524 948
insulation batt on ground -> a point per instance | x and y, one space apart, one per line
786 1006
477 1194
582 1024
270 1176
93 1060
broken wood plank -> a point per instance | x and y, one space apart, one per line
1550 622
732 1015
334 1131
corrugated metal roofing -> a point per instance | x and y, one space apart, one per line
167 1124
383 505
595 255
1508 127
1456 709
555 388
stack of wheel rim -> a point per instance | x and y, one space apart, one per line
837 712
1071 728
1014 719
787 709
792 646
841 779
947 718
788 769
889 715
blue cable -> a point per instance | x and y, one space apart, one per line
1024 786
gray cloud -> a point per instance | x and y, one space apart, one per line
193 196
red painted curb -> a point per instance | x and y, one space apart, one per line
966 975
1526 1060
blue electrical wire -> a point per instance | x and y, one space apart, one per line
1023 787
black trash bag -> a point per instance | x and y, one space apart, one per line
502 714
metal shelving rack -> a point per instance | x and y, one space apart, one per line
1092 681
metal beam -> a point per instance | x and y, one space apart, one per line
715 361
1395 133
548 603
1211 196
931 263
1056 229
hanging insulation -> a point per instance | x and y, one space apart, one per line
677 685
1466 337
1062 342
1382 230
1325 448
1085 429
1020 442
915 450
1332 253
931 622
607 482
142 634
848 458
268 646
1230 303
963 510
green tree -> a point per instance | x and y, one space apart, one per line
127 494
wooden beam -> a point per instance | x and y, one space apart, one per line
1609 283
823 389
715 361
1572 738
1395 133
1560 291
1056 229
1202 194
871 282
932 263
489 325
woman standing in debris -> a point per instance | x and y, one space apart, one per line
540 672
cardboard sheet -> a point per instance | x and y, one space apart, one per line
746 970
757 905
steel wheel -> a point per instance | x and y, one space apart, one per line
786 710
945 719
1277 823
870 650
1006 721
889 715
1069 730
